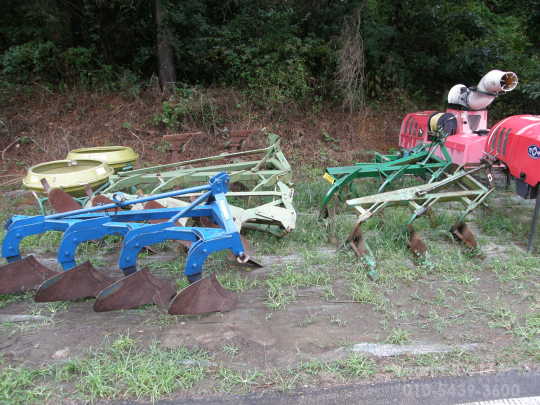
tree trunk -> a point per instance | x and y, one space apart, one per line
165 54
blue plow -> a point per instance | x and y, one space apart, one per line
138 229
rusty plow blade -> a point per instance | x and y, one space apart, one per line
79 282
139 288
415 243
23 275
462 232
203 296
357 241
60 200
102 200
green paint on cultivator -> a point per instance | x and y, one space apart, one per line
424 161
419 161
266 202
459 186
251 174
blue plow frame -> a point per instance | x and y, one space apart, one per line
97 222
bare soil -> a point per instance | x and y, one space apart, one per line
42 126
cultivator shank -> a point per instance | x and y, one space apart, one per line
139 228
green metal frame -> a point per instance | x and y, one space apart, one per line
256 174
419 161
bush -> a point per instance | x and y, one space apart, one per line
189 107
45 62
270 64
32 61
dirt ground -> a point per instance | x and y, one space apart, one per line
481 307
301 317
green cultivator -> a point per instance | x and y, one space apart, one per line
253 170
441 185
459 186
419 161
263 176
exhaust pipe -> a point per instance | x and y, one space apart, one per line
490 86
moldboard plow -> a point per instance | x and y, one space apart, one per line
139 228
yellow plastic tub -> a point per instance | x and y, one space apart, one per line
116 157
70 175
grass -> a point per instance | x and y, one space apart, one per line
398 370
398 336
41 243
502 317
237 381
530 328
160 319
364 291
451 363
525 327
282 286
284 380
353 366
8 299
452 295
464 278
24 385
126 371
497 223
515 266
174 267
122 370
230 350
235 281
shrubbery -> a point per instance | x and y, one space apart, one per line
275 51
189 106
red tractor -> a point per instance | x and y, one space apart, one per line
513 143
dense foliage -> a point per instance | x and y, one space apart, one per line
275 50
